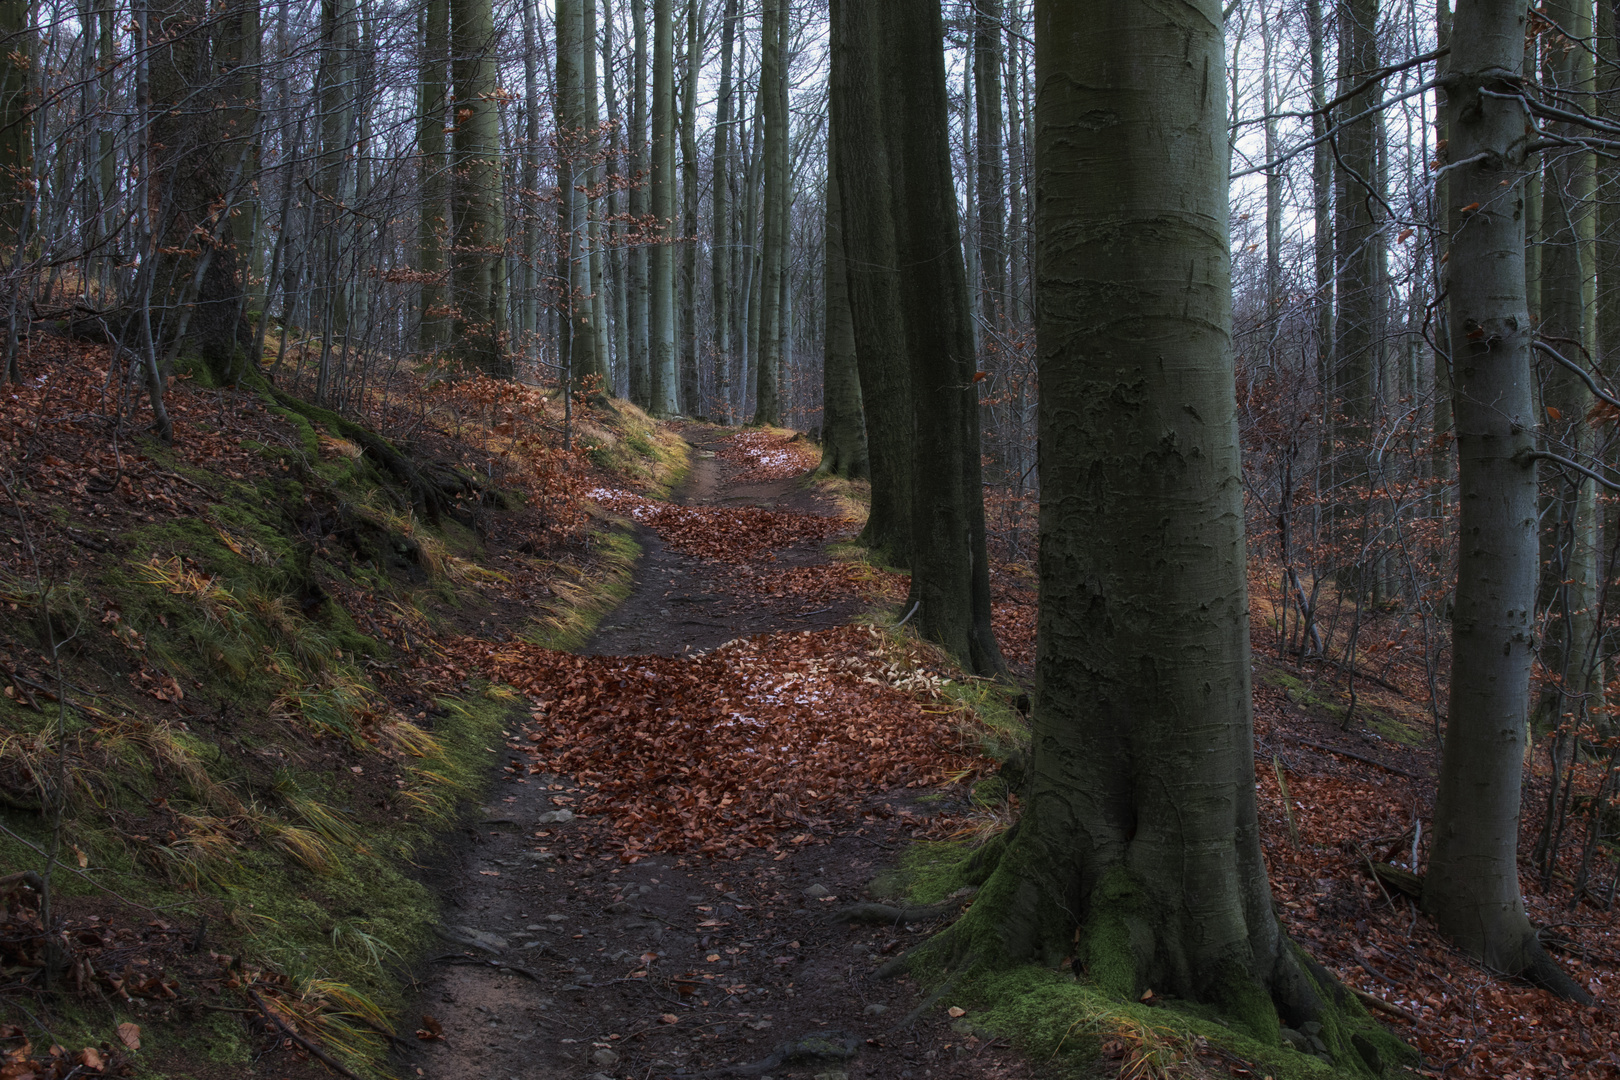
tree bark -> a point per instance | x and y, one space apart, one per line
640 297
661 259
767 400
16 123
858 125
691 397
1471 887
950 576
618 258
433 328
719 217
595 269
991 195
1139 851
478 266
1568 273
843 425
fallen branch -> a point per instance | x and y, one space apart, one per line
1372 1001
314 1051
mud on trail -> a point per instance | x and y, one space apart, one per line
649 889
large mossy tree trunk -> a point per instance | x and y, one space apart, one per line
1139 850
858 107
843 424
1471 887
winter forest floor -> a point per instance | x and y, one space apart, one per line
571 785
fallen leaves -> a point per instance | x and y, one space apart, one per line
734 748
768 455
725 534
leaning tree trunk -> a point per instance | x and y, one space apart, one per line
950 574
1139 851
1472 884
857 125
661 308
843 426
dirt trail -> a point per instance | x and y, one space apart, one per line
561 964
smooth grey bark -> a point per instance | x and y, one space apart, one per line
843 423
1471 887
529 300
950 575
434 326
720 227
1321 202
1568 298
640 165
991 194
858 120
1139 850
661 259
478 265
596 269
691 396
618 258
772 92
1360 314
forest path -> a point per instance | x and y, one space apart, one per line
570 955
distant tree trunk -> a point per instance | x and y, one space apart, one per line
1471 887
528 321
572 315
661 317
1359 324
640 297
575 144
478 268
767 399
1568 273
859 124
950 573
618 260
748 260
595 269
843 424
335 82
434 327
992 191
1322 204
1274 174
720 218
691 396
16 123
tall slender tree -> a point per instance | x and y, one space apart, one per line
661 259
696 14
720 227
1471 887
991 205
432 88
638 311
478 266
772 79
843 424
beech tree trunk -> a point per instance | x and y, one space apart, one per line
640 296
720 216
661 259
991 195
1139 851
950 574
859 108
1568 307
434 325
691 398
1471 887
479 264
591 147
843 425
767 396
